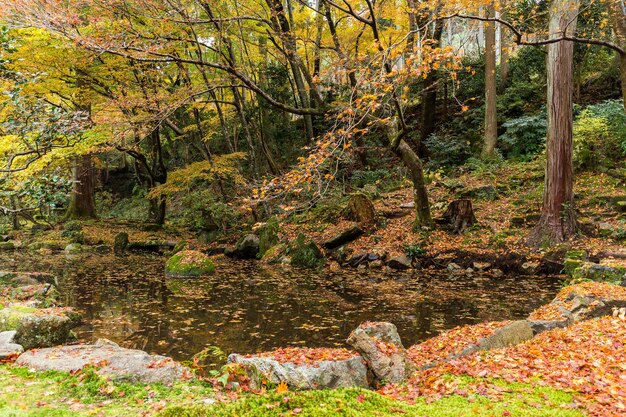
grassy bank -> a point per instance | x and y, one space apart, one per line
57 394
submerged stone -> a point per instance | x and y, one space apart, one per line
109 359
189 263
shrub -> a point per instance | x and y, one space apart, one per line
525 137
600 135
447 150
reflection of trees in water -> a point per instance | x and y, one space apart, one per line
432 317
246 308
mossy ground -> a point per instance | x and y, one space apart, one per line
59 394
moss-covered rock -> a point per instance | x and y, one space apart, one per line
268 236
600 273
53 246
305 253
7 246
571 265
39 328
273 254
580 255
73 248
189 263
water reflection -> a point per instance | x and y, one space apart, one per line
247 307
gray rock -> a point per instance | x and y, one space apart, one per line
540 326
530 267
401 263
382 349
10 349
73 248
452 267
510 335
109 359
326 374
246 248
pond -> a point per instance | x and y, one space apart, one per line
248 307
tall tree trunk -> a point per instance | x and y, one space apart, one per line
558 219
429 96
505 44
282 26
82 202
158 175
617 10
491 120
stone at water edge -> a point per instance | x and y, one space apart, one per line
346 373
247 247
381 347
36 329
116 362
400 263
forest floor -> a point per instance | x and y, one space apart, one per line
506 200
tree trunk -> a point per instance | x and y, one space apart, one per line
558 220
429 96
82 202
491 121
420 194
158 207
460 215
617 10
505 44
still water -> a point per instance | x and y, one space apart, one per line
248 307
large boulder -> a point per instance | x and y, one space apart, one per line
36 328
189 263
109 360
380 345
345 373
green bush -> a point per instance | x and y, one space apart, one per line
525 137
447 150
600 135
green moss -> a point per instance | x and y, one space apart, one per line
362 403
305 253
579 255
189 263
7 246
570 266
600 273
268 236
274 253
